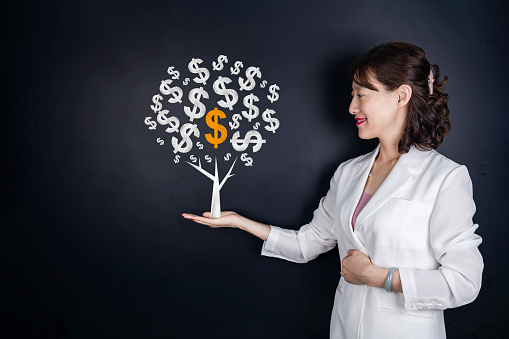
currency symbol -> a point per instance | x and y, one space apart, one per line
160 141
193 158
253 110
272 90
238 66
219 88
251 72
172 122
213 123
177 159
155 99
263 84
256 126
185 82
219 65
241 144
186 131
274 122
176 91
149 122
235 124
175 74
227 156
200 145
203 73
248 160
208 158
194 97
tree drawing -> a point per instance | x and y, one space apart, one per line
225 95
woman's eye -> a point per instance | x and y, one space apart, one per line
360 95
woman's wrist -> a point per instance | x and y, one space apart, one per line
376 276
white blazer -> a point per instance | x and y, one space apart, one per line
419 220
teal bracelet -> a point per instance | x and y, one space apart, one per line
388 280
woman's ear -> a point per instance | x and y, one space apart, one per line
404 94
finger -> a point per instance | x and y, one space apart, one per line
188 216
351 251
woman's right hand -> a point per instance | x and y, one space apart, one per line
232 219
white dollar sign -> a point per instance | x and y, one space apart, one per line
219 88
172 122
241 144
208 158
219 65
160 141
193 158
248 160
274 122
275 95
227 156
194 97
255 127
157 105
185 82
203 73
263 84
186 131
235 124
149 122
253 110
176 91
238 66
250 83
200 145
174 73
177 159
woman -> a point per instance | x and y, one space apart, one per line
401 215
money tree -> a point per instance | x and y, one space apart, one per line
225 93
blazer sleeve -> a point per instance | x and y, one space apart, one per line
455 245
310 240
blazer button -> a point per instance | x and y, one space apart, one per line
429 305
439 306
419 305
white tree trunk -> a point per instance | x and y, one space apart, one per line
215 207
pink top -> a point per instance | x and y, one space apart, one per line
362 202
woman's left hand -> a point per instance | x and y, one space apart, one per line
356 266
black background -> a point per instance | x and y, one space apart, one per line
92 242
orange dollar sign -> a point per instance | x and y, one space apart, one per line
212 121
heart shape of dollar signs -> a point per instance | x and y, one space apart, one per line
221 99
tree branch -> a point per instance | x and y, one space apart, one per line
202 171
228 175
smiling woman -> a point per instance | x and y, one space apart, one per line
400 215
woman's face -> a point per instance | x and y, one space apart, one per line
378 114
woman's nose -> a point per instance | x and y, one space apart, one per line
353 109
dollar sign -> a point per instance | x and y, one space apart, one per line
193 158
256 126
203 73
149 122
235 124
208 158
251 137
274 122
155 99
200 145
213 123
253 110
174 73
160 141
186 131
219 65
238 66
272 90
251 72
176 91
263 84
194 97
185 82
248 160
219 88
227 156
172 122
177 159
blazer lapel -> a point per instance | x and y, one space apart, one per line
407 166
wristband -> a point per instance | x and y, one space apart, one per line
388 280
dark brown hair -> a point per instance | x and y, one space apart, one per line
394 64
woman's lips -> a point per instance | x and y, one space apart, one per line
359 121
